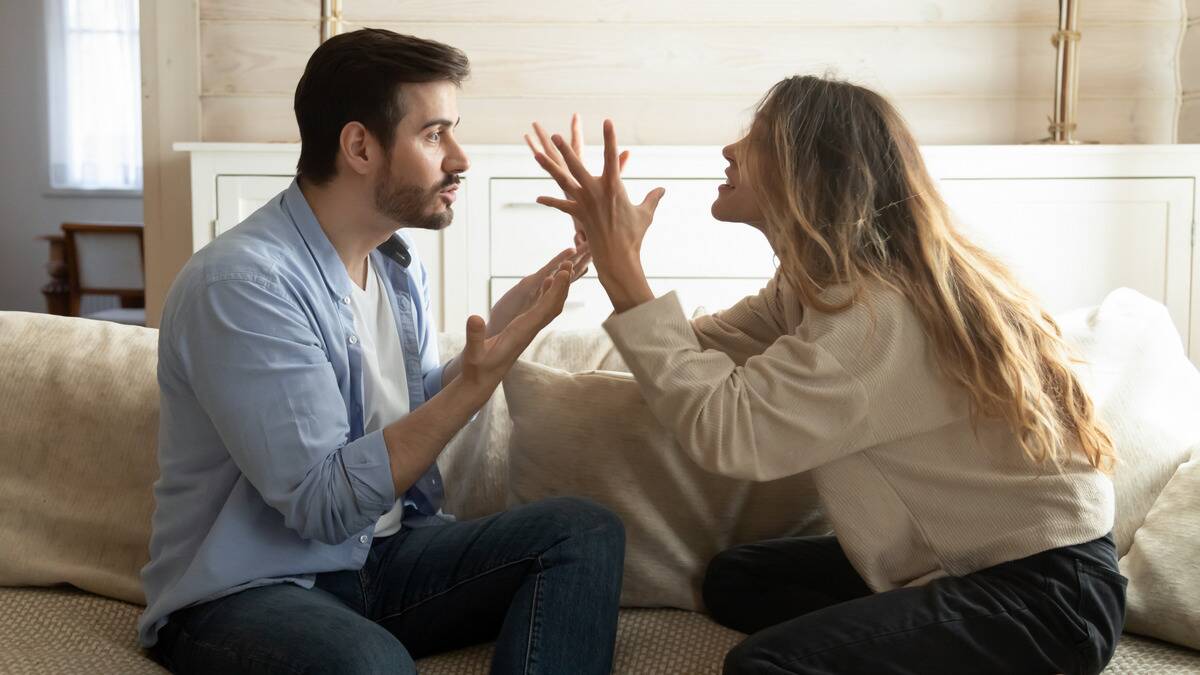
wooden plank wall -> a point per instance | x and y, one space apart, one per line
688 71
1189 72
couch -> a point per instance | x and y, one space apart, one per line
79 408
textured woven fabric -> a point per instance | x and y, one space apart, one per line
63 631
60 630
79 410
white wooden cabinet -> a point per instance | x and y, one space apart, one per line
1072 222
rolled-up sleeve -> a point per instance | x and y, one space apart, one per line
787 410
259 370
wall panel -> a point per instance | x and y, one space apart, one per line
686 71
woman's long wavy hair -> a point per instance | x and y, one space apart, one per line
847 199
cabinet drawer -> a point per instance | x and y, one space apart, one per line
588 306
1072 241
684 241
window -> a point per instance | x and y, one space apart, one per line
95 94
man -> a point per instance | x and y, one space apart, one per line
298 523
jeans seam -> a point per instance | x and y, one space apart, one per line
444 591
533 615
784 664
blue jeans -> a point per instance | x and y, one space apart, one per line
543 580
808 611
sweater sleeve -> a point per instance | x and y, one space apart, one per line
746 329
787 410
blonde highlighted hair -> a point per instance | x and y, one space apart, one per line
847 199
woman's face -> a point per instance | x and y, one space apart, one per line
737 201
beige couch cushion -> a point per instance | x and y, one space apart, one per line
1146 391
79 410
591 434
475 462
65 632
1163 565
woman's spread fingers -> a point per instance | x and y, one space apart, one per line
530 143
557 172
544 137
565 205
576 134
574 164
611 162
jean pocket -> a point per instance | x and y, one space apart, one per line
1101 606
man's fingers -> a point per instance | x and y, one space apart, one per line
476 333
567 254
550 303
581 266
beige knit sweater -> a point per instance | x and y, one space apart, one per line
914 491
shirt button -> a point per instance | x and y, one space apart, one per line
362 539
353 339
403 302
346 300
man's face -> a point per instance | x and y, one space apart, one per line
419 182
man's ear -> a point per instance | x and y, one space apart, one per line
356 148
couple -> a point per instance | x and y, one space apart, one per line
299 525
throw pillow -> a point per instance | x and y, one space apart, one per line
591 434
79 409
1146 391
1163 565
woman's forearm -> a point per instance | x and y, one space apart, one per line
624 280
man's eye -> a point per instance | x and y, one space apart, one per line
435 136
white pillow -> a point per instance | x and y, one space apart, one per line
1163 565
591 435
1146 391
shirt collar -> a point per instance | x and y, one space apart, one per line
326 257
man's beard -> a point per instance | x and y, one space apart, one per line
410 205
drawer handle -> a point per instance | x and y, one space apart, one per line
522 205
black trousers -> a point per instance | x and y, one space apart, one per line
808 611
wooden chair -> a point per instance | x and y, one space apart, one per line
107 260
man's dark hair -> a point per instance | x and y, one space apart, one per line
356 77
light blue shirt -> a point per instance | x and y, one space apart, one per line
266 475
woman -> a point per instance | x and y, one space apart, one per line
960 463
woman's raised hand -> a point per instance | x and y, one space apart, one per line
599 205
552 153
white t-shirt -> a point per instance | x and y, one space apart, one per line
385 382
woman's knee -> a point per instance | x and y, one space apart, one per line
726 579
